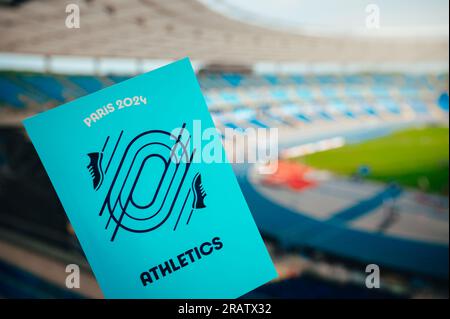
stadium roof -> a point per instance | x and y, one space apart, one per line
153 29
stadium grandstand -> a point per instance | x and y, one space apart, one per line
324 93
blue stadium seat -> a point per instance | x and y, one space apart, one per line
258 122
409 91
369 110
118 78
353 91
305 94
389 105
338 104
233 126
233 79
417 81
243 113
289 108
418 106
271 79
298 79
249 115
353 79
443 101
329 91
383 79
350 114
269 114
88 83
279 94
325 116
380 91
47 84
230 97
443 77
10 92
326 79
302 117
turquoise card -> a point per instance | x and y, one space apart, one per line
142 175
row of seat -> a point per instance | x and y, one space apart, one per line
312 95
221 80
291 114
280 100
38 91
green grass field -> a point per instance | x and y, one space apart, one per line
416 158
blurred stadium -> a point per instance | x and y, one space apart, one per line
363 125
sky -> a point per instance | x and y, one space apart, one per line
397 17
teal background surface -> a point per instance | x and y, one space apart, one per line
63 141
